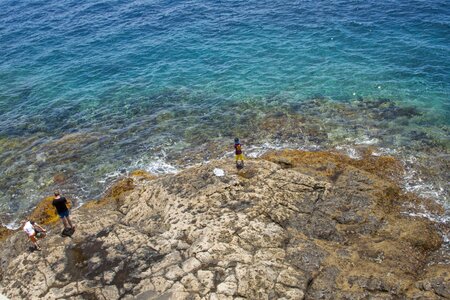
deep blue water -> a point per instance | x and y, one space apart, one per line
89 89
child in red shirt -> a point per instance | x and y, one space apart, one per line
238 152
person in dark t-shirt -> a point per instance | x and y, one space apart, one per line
60 203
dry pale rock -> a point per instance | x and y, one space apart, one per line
191 264
204 257
213 296
174 272
191 283
161 284
228 288
109 292
169 259
206 278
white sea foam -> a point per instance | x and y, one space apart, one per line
365 140
414 183
258 151
159 167
384 151
156 165
110 176
13 225
349 151
429 216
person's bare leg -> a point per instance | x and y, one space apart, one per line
66 225
70 222
35 242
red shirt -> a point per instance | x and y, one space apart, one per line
237 147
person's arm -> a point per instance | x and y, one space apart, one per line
40 227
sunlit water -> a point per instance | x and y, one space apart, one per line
90 91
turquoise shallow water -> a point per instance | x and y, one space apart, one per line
90 90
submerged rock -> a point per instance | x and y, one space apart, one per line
295 225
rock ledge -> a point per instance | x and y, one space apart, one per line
294 225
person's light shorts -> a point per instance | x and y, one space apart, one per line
240 156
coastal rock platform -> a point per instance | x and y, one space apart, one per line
290 225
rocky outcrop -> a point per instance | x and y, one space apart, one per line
295 225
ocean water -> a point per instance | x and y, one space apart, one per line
90 90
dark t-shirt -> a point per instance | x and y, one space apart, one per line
60 204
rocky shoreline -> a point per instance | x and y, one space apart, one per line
82 162
290 225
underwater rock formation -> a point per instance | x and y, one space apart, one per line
292 225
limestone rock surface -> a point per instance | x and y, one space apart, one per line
281 228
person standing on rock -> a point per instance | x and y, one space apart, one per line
34 231
238 152
60 203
